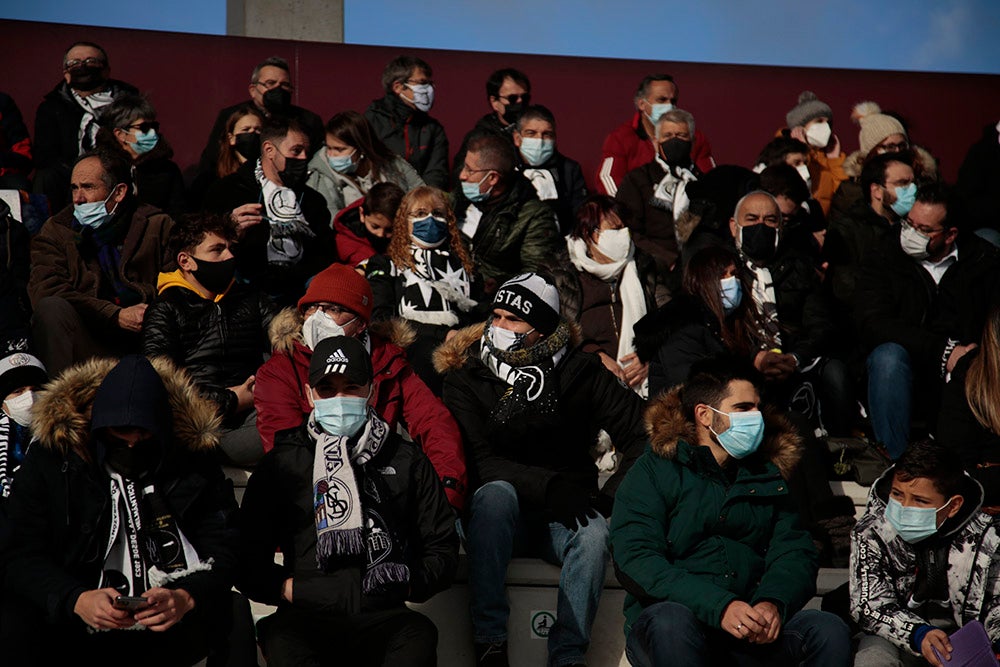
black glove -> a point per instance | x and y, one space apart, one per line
568 504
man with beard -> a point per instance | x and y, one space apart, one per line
66 121
283 225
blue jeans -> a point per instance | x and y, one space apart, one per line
890 387
497 529
667 633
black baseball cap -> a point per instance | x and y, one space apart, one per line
340 355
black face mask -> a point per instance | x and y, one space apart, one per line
677 152
277 100
759 242
132 462
215 276
294 174
86 78
513 112
248 145
379 244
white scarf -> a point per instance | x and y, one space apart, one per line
473 215
91 105
545 184
671 191
633 298
6 436
764 299
288 226
434 287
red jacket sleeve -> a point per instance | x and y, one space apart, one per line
701 153
613 166
277 398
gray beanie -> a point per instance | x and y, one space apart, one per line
808 108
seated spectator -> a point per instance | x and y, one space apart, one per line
213 327
558 180
810 122
66 120
922 303
352 161
339 302
401 121
713 200
655 193
530 404
979 171
923 561
271 94
803 225
94 266
880 134
15 267
785 150
634 143
120 445
364 228
21 376
239 142
613 285
15 147
508 92
887 181
287 239
507 227
129 126
425 277
707 541
361 520
969 421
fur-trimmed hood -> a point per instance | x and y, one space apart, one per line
61 413
453 354
926 165
286 330
666 424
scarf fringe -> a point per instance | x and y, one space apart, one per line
158 577
385 574
338 543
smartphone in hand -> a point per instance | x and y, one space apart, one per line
130 603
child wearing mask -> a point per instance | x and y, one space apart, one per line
21 375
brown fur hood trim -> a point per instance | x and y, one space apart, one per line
62 410
286 330
927 164
453 354
685 225
665 425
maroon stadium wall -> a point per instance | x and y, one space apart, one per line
738 107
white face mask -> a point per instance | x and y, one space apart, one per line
615 244
423 95
913 242
507 340
804 173
818 134
320 326
19 408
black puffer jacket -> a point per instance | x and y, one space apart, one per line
277 512
412 135
531 452
220 344
285 284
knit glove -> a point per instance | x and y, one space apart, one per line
568 504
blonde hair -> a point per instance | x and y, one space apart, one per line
399 247
982 383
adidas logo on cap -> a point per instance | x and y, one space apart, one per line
337 362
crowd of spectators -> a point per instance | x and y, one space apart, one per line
410 351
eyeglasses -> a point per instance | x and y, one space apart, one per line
145 126
894 148
328 309
271 84
514 99
86 62
924 231
424 82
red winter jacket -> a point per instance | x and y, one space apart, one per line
629 147
351 248
400 397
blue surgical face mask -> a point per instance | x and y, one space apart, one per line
93 214
744 435
906 197
430 231
471 190
341 415
343 164
537 151
657 110
507 340
732 294
144 141
912 523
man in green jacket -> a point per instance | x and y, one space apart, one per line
706 541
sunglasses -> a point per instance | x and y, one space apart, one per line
146 126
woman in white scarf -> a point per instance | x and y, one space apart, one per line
618 284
